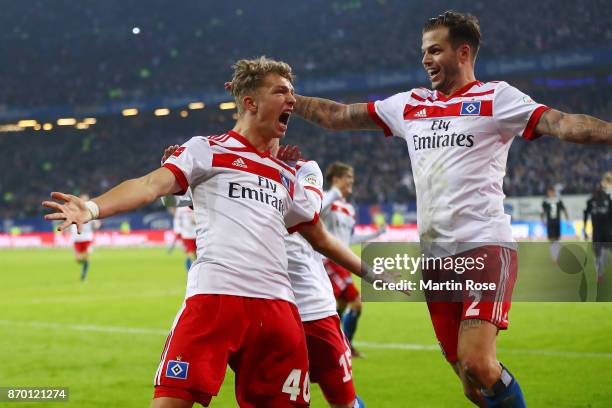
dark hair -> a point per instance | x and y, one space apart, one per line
462 28
336 169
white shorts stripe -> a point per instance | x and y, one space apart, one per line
160 368
501 290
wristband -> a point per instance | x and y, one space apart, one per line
93 208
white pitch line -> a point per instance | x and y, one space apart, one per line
85 298
538 352
366 345
86 327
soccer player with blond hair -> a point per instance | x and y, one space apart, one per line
239 307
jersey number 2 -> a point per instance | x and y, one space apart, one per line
473 310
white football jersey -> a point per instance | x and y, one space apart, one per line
458 148
186 221
313 291
176 222
86 235
244 202
340 219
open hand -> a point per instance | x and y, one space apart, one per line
71 209
289 154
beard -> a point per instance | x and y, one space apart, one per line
450 73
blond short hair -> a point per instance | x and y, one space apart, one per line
249 75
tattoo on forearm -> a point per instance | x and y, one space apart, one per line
576 128
317 110
334 115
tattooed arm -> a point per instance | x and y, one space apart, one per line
575 128
334 115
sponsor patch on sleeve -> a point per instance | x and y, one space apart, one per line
312 179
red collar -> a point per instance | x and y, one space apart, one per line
441 97
248 144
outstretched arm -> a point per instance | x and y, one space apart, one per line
326 244
575 128
333 115
127 196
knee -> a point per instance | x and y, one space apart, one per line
482 371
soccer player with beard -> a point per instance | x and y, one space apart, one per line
239 308
458 136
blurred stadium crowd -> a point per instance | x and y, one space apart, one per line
87 54
95 58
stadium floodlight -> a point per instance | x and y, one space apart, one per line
184 114
90 121
161 112
227 105
48 126
196 105
66 121
129 112
11 128
82 125
27 123
37 126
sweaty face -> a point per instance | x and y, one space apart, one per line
274 102
440 60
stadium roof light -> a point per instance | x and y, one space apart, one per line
90 121
82 125
37 127
196 105
11 128
161 112
48 126
27 123
227 105
129 112
184 114
66 121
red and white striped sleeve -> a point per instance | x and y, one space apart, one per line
388 113
515 112
190 162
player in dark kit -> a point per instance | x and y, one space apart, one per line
552 208
599 208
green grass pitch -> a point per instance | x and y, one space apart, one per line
103 338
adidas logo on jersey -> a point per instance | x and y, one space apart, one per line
239 163
421 114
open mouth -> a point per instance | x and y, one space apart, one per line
284 118
433 73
